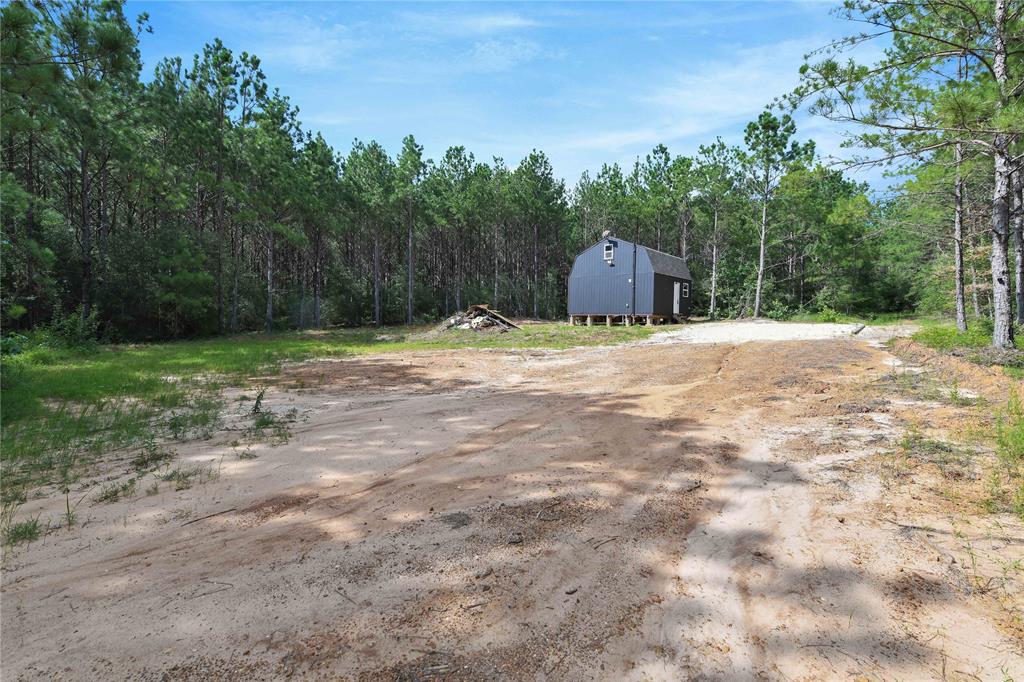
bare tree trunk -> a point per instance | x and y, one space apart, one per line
1018 241
1002 329
714 266
302 292
536 262
218 218
316 280
411 264
86 237
958 242
235 247
760 259
497 238
684 223
377 319
270 281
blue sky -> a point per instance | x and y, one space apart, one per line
587 83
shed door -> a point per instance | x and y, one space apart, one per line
675 298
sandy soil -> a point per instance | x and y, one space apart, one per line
769 330
651 511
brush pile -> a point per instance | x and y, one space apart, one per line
479 318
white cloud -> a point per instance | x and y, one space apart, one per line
472 24
737 88
502 55
701 101
280 37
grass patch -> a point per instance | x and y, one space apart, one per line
953 462
112 492
185 476
94 400
943 335
150 457
23 531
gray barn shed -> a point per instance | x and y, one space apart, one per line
616 279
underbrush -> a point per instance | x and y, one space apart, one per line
985 463
974 345
1009 440
943 335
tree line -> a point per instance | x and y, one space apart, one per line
194 202
945 106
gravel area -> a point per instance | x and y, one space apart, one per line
769 330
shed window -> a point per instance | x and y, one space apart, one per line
684 290
609 251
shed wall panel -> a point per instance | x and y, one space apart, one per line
600 287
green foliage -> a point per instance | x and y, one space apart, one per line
1010 434
112 492
71 405
184 289
185 476
76 330
945 336
23 531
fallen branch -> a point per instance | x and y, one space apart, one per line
209 516
345 595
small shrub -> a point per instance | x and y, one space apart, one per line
115 491
828 315
1010 433
268 426
75 330
150 457
185 477
13 344
23 531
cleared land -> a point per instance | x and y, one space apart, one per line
640 511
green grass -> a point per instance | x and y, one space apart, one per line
23 531
943 335
61 405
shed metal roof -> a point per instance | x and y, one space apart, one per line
663 263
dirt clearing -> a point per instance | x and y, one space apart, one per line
656 511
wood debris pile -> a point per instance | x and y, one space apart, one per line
478 318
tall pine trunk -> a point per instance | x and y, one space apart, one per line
270 282
218 218
1002 329
760 258
497 234
86 236
377 320
536 269
1018 241
317 256
958 242
411 264
714 267
234 279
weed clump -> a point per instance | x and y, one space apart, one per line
113 492
23 531
1006 487
184 477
